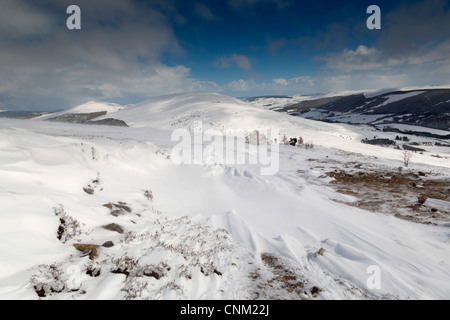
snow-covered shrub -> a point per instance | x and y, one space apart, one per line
53 279
68 227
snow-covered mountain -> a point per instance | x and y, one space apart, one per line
104 212
423 107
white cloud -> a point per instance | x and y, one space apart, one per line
239 60
417 64
321 84
160 79
241 86
204 86
363 58
280 81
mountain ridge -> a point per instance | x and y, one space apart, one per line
428 108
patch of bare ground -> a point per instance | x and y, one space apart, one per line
402 194
278 281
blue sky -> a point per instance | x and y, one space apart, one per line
278 40
132 50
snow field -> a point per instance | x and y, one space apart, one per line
204 232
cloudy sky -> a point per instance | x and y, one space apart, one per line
128 51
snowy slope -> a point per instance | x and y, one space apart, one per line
398 97
216 111
94 106
208 231
87 108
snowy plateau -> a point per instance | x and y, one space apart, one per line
91 211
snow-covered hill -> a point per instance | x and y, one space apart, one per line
162 230
88 107
426 107
220 113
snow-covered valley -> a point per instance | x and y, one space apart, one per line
161 230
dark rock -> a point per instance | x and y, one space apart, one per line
89 190
108 244
422 199
93 272
315 290
40 291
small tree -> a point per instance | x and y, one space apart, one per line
407 157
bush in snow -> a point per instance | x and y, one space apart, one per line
52 279
68 227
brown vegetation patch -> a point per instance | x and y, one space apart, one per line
118 209
114 227
394 192
283 279
90 249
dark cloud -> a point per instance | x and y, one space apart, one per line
414 26
117 52
414 43
20 20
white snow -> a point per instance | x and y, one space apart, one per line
436 203
88 107
397 97
205 226
273 103
406 127
94 106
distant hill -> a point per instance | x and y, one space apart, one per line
428 108
21 114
